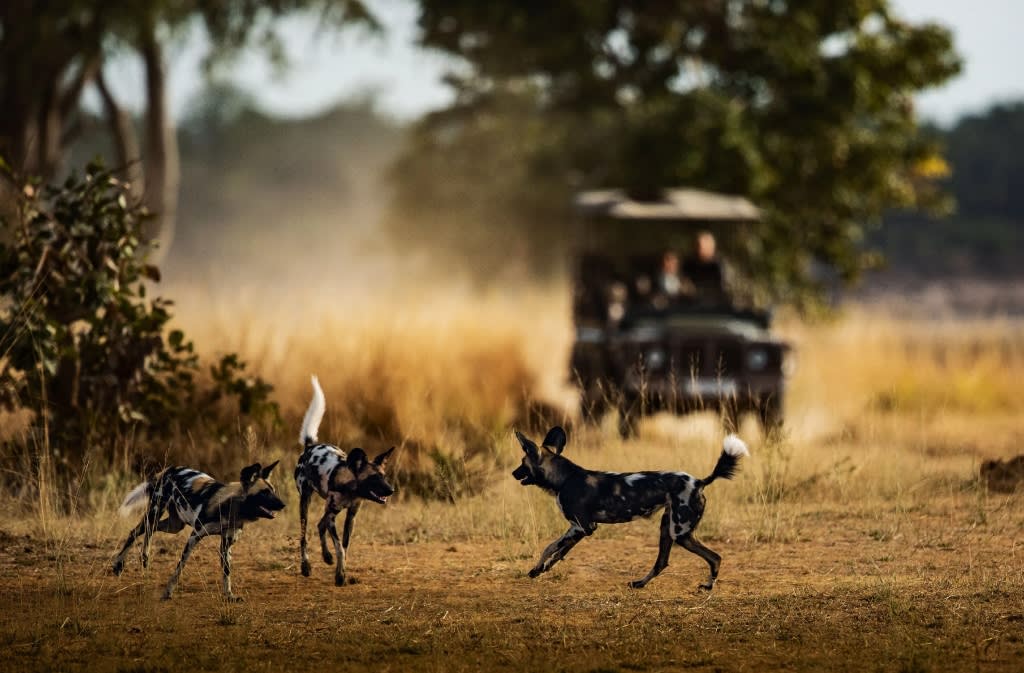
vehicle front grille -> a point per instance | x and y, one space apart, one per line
689 359
707 358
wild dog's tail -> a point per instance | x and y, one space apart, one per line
733 449
315 414
135 498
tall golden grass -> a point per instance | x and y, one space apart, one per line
878 407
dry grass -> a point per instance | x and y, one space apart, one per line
860 539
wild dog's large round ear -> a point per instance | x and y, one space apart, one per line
555 439
528 446
251 474
265 472
356 460
382 458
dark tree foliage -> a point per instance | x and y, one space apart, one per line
803 106
81 344
985 236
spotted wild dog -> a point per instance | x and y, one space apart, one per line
588 498
343 481
209 506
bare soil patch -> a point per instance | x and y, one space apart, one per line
943 591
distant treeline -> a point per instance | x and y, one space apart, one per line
249 180
983 237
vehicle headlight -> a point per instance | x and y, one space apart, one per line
654 359
757 359
789 363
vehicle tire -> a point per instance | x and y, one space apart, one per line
593 406
730 415
629 418
769 414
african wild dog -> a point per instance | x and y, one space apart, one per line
588 498
209 506
343 481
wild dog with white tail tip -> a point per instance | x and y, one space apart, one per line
588 498
344 481
209 506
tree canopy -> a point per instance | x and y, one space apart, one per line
804 107
50 52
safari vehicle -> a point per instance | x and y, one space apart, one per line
640 353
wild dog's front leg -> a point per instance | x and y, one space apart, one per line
323 528
193 540
305 493
339 551
557 550
664 550
227 539
350 518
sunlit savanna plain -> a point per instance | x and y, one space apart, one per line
860 539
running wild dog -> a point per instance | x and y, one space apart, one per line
343 481
209 506
588 498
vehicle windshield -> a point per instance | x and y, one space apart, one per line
666 285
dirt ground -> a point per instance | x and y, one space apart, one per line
944 590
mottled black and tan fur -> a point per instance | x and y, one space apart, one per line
588 498
344 481
210 507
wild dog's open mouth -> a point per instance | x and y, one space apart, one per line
266 513
377 497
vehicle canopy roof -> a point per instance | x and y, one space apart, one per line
611 221
679 205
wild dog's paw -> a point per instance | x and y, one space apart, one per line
234 599
706 586
339 580
637 584
118 567
145 561
535 571
306 569
328 558
166 596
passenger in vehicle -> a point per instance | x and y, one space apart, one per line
703 269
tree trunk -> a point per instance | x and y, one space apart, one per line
161 157
126 141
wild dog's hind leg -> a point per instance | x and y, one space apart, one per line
557 550
664 549
118 567
305 493
193 540
691 544
157 503
146 526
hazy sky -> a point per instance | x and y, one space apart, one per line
326 67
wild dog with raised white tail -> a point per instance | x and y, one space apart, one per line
209 506
588 498
344 481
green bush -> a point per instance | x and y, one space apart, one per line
81 344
